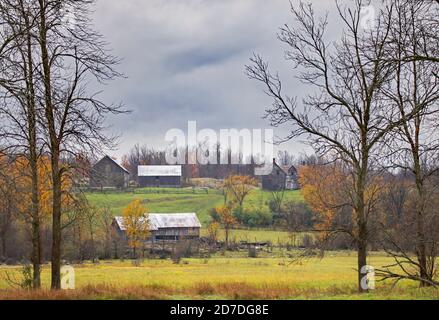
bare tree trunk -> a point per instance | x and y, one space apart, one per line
56 223
421 250
3 244
362 238
36 231
362 254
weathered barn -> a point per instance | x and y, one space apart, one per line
281 178
160 176
166 226
107 173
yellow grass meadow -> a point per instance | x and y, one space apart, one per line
332 277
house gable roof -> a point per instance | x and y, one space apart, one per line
288 169
112 160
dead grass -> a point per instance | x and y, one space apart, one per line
232 291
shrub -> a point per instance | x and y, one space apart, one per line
214 215
307 241
263 217
213 230
295 216
339 242
254 216
182 249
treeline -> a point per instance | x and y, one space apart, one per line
144 155
50 58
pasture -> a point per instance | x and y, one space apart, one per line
223 277
163 200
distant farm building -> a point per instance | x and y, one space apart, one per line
281 178
166 227
159 176
107 173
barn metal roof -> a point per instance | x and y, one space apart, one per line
163 171
167 220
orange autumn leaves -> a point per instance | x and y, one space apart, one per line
18 170
328 189
321 188
238 187
135 220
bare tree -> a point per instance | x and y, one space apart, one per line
415 146
345 119
70 55
427 30
277 199
19 109
285 158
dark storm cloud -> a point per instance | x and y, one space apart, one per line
185 60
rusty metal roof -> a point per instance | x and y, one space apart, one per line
167 220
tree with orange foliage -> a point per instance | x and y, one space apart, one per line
21 169
135 220
239 188
328 190
324 188
227 219
24 181
212 231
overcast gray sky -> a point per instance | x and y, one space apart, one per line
185 60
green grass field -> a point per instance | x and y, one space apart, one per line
178 200
159 202
224 277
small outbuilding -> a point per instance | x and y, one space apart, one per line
160 176
107 173
166 226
